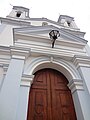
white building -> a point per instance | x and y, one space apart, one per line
58 78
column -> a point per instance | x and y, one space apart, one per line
25 85
10 88
82 64
80 98
85 73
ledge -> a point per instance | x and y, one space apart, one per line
15 21
76 84
81 61
19 52
26 80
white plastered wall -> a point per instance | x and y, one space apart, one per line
6 35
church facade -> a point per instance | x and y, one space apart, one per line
38 81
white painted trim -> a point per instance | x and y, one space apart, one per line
14 51
51 62
63 33
13 21
26 80
59 41
4 50
76 84
4 61
18 57
81 61
5 68
5 64
19 52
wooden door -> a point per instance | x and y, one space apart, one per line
50 98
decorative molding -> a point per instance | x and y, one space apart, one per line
5 64
71 39
67 68
81 61
19 52
1 65
4 61
5 68
14 51
53 22
18 57
76 84
65 33
14 21
27 80
4 50
45 49
49 52
73 36
75 32
51 59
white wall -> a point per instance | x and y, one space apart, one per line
9 93
1 76
6 35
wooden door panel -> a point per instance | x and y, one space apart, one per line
50 98
63 105
38 105
40 80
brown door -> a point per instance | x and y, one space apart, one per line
50 98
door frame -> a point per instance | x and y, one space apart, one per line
63 89
70 72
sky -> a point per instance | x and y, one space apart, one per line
51 9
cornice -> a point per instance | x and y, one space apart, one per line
34 31
75 32
49 52
14 52
15 21
4 50
35 28
19 52
4 61
73 36
81 61
20 7
55 52
31 40
53 22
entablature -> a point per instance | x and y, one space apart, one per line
38 37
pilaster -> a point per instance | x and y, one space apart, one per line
80 98
9 94
76 84
25 85
82 63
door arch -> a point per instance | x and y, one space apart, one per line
50 98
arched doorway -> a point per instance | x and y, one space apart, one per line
50 98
